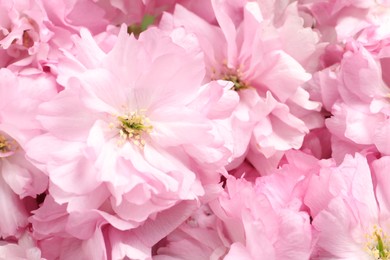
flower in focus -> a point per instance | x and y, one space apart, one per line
129 119
194 129
250 50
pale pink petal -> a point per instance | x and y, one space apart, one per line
229 30
336 236
171 128
23 177
381 168
380 138
65 115
281 74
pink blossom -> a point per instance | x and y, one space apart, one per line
20 181
341 20
241 224
256 60
98 234
287 185
236 55
349 208
355 91
23 33
131 132
194 129
13 212
196 238
353 86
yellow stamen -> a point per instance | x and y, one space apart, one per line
133 126
233 75
237 82
378 244
5 146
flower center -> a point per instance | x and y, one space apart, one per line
27 40
233 75
238 83
378 244
7 146
138 28
133 126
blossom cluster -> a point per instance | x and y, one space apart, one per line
194 129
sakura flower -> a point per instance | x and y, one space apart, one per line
349 205
129 126
99 235
267 218
341 20
236 60
241 224
20 181
247 48
196 238
13 212
287 185
23 33
354 90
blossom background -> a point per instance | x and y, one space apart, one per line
194 129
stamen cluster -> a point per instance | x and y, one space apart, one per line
238 83
5 145
133 126
378 244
